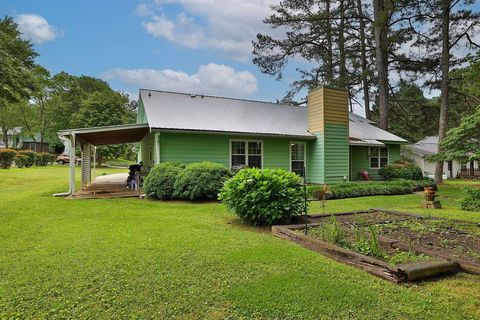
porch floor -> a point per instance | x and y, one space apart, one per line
107 187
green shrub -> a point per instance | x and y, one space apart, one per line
471 202
264 197
42 159
160 181
20 160
6 158
30 157
201 181
401 170
371 188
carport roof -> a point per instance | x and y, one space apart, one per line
109 134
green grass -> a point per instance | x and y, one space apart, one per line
132 258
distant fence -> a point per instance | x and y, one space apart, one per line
469 174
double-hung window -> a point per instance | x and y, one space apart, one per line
246 153
297 158
378 157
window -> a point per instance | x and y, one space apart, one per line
297 158
246 153
378 157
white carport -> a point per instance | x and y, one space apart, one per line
89 138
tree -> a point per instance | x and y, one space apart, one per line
324 33
89 102
412 116
458 24
463 141
16 62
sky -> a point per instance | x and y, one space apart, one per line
194 46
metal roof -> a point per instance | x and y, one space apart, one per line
171 111
362 128
428 146
179 111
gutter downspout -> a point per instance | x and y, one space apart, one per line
71 178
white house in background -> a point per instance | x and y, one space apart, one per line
428 147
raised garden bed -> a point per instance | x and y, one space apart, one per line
393 245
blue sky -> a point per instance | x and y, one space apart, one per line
182 45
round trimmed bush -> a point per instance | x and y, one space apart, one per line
160 182
6 158
264 197
201 181
401 170
30 157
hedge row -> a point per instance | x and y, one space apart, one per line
371 188
196 181
23 158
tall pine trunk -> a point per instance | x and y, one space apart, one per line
445 65
328 32
363 57
381 55
5 136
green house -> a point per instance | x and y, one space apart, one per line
332 144
322 141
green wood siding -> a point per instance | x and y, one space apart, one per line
187 148
360 160
315 164
141 115
328 155
336 153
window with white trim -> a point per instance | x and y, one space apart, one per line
246 153
378 157
297 158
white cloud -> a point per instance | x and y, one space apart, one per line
36 28
228 25
212 79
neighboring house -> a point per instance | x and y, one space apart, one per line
29 143
451 169
13 136
332 144
19 141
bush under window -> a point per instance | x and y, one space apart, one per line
264 197
6 158
471 202
401 170
160 182
201 181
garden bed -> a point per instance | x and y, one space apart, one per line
393 245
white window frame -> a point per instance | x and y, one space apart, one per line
304 154
378 157
246 150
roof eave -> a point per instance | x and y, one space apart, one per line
273 135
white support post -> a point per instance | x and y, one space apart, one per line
72 164
94 162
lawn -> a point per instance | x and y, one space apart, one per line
132 258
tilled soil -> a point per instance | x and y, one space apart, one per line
458 239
